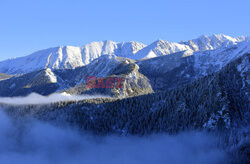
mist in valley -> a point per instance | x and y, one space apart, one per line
30 140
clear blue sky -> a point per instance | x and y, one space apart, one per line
30 25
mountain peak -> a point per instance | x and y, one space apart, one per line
211 42
159 41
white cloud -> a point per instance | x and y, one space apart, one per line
39 99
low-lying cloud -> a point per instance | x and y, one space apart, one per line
35 98
42 143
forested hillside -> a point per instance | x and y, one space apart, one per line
218 102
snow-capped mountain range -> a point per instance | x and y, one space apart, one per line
69 57
159 66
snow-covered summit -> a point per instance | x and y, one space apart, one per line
159 48
212 42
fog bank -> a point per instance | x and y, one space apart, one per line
41 143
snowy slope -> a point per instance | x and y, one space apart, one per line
212 42
203 43
160 48
69 57
210 61
59 57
